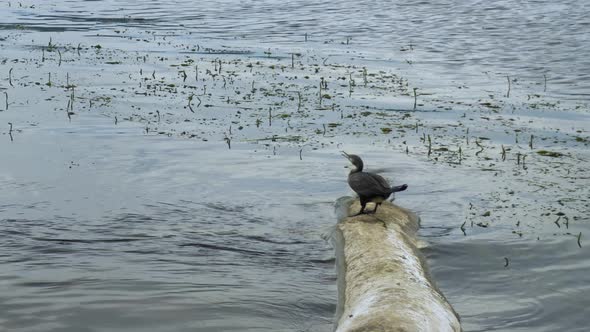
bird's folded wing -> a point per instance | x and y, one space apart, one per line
382 181
369 184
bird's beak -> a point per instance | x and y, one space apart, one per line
344 154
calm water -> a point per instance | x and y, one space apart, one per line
106 228
451 42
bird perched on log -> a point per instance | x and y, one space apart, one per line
370 187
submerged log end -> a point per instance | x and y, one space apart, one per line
384 282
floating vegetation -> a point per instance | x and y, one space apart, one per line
283 99
276 138
552 154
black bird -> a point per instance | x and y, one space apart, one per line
370 187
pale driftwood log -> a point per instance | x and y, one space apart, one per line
384 284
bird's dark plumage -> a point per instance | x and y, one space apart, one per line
370 187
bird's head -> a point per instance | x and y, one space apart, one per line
356 161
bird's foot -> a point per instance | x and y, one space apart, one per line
359 213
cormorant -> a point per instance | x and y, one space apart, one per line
370 187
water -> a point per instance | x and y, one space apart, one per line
147 242
135 215
451 42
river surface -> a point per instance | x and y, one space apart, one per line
170 165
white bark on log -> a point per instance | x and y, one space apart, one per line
384 284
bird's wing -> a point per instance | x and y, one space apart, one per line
368 184
382 181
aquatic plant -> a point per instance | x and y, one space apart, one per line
546 153
10 131
545 85
190 99
479 146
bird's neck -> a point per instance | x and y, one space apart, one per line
356 170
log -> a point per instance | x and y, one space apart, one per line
383 280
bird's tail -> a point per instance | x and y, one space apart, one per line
399 188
